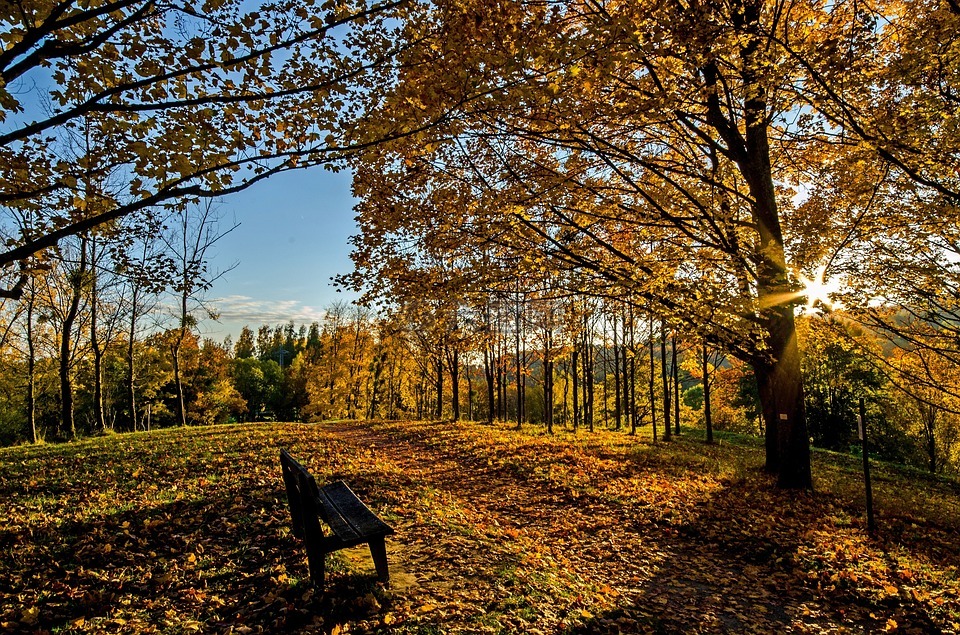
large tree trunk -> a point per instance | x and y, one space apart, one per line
777 368
781 400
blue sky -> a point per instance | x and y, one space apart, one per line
292 238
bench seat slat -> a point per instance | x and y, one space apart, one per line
348 517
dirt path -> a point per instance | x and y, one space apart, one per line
504 553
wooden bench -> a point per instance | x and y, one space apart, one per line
352 523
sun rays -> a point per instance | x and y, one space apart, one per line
819 289
818 292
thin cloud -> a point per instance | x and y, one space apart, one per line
244 310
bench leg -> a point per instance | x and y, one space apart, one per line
378 549
315 560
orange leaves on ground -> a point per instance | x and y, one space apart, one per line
497 531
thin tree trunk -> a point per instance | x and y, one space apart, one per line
630 381
605 365
68 427
470 395
99 416
176 350
455 384
616 378
488 375
131 370
31 368
707 416
548 380
576 392
653 374
676 384
663 377
379 363
516 351
438 411
586 365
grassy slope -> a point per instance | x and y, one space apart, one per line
497 531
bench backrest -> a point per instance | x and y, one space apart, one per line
298 482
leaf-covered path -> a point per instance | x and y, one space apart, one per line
513 549
522 554
498 531
584 536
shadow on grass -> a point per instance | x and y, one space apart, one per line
223 561
729 573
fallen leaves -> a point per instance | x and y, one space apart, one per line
188 531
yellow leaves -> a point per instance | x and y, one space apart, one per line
181 163
30 616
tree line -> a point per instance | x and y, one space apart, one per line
529 356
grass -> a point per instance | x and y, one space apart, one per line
498 531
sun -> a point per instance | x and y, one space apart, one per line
817 290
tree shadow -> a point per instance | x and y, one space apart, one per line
223 561
731 569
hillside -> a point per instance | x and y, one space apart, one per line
187 530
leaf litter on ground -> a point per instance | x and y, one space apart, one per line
498 531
